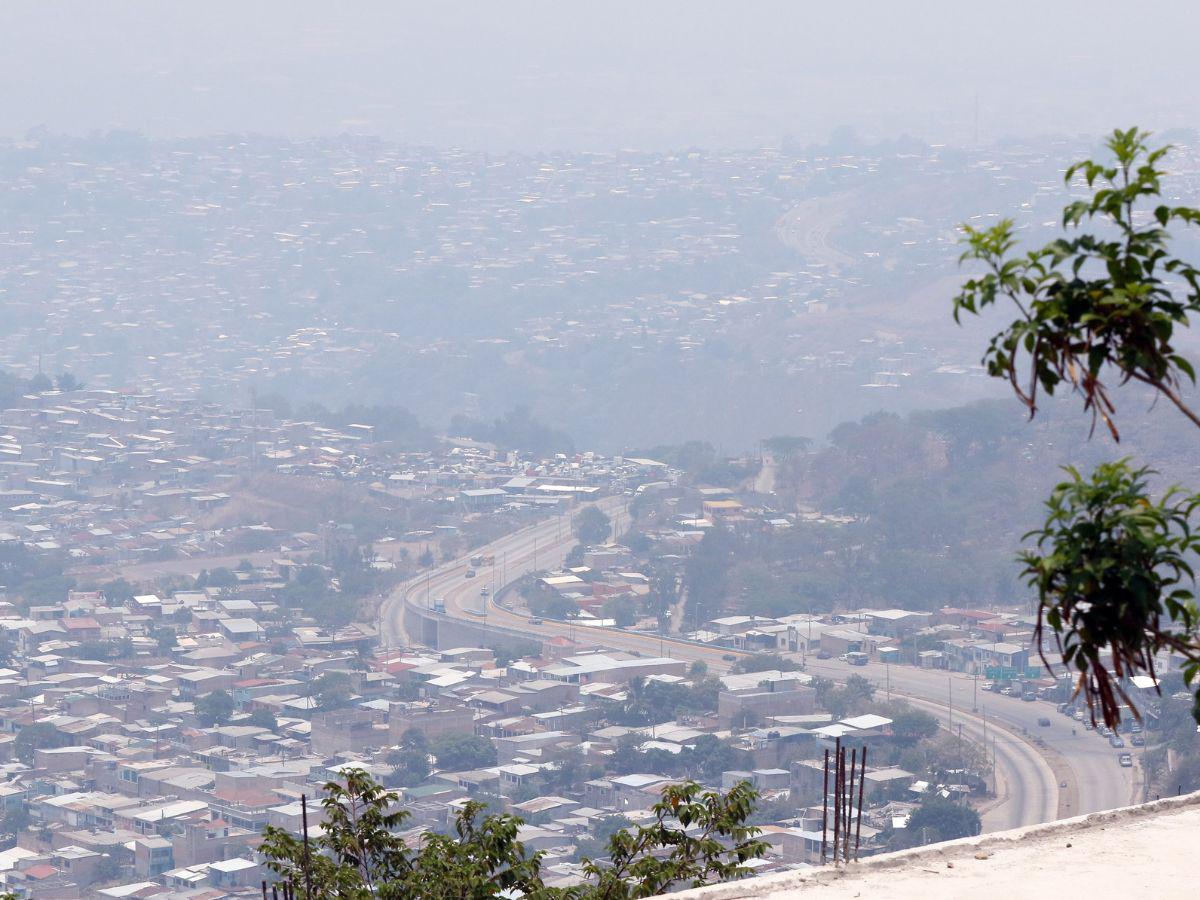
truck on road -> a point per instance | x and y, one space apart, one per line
439 605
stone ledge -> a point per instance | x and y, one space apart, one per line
1150 847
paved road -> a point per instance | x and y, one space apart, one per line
1095 780
515 554
1028 786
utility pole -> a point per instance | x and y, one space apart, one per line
950 699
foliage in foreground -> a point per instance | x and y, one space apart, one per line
1110 564
697 837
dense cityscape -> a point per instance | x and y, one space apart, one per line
550 453
211 612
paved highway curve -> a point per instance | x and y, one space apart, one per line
1029 789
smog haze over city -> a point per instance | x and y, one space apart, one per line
577 407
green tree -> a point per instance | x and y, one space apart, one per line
552 605
910 725
568 772
263 718
622 610
709 756
591 525
333 690
68 382
764 662
117 592
164 637
16 819
410 767
696 837
938 819
415 739
574 557
1110 565
706 574
602 832
459 752
844 700
222 577
37 736
713 844
108 869
214 708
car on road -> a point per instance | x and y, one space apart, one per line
1029 698
1044 722
1125 760
1138 741
729 657
1116 742
535 621
470 573
824 654
484 591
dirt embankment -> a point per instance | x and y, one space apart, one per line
298 503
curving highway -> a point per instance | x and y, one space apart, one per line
1095 781
1028 776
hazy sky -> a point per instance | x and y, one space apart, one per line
525 75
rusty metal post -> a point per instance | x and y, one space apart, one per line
861 779
307 851
837 799
850 802
825 808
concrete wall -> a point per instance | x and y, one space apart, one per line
441 632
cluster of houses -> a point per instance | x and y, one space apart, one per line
960 640
106 479
123 777
237 242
